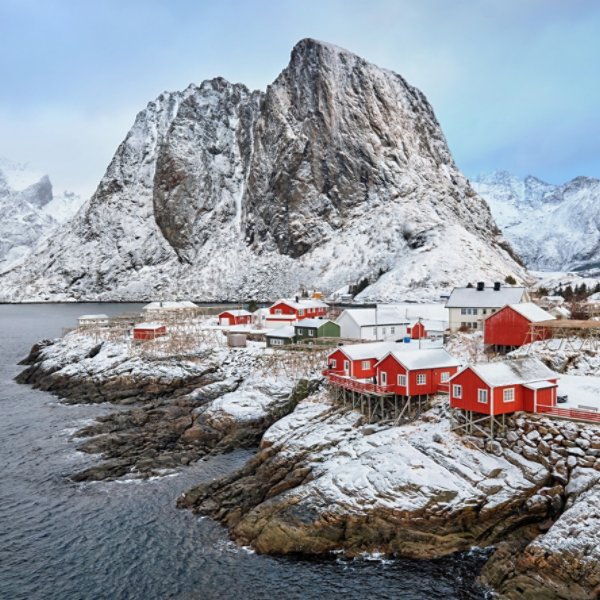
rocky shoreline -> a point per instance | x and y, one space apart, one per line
325 482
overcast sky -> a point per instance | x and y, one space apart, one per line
514 83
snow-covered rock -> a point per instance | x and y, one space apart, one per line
552 227
338 172
29 214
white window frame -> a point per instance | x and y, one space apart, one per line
457 391
278 311
311 333
375 331
276 342
383 377
483 393
402 380
421 379
393 330
333 363
511 394
366 364
445 377
347 366
300 312
300 331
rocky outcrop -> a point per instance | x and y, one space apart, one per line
337 173
323 482
180 408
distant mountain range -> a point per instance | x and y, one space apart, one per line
30 212
552 227
338 172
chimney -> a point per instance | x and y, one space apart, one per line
480 286
497 286
297 299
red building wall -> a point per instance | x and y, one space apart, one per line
308 313
507 327
148 334
234 319
418 332
285 309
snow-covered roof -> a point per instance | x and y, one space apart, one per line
431 324
532 312
282 332
519 370
271 317
465 297
149 325
374 350
93 317
312 323
236 312
302 304
425 359
539 385
366 317
178 305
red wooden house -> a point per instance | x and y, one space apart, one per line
235 317
417 372
510 327
358 360
417 331
148 331
285 311
504 387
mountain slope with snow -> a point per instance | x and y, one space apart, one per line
552 227
29 214
338 172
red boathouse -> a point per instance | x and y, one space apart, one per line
148 331
235 317
511 326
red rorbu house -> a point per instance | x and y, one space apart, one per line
417 331
287 312
148 331
511 326
358 360
416 373
499 388
235 317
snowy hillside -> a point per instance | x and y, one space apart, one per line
30 212
552 227
338 172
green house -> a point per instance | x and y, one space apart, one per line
310 329
282 336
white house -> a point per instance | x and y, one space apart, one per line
384 323
93 320
168 306
468 307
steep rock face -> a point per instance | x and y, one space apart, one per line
553 227
338 172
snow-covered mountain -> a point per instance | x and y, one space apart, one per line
339 171
552 227
30 212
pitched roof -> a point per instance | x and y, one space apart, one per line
425 359
366 317
487 298
532 312
236 312
302 303
374 350
287 331
149 325
313 323
519 370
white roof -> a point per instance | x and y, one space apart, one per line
539 385
312 322
519 370
532 312
148 325
170 305
425 359
487 298
366 317
271 317
431 325
302 303
236 312
282 332
374 350
92 317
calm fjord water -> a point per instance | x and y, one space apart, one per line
60 540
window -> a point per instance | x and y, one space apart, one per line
402 380
383 377
445 377
276 342
421 379
463 311
300 331
482 396
375 331
509 395
347 366
383 330
277 311
311 333
333 363
366 364
301 312
392 330
484 312
457 391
